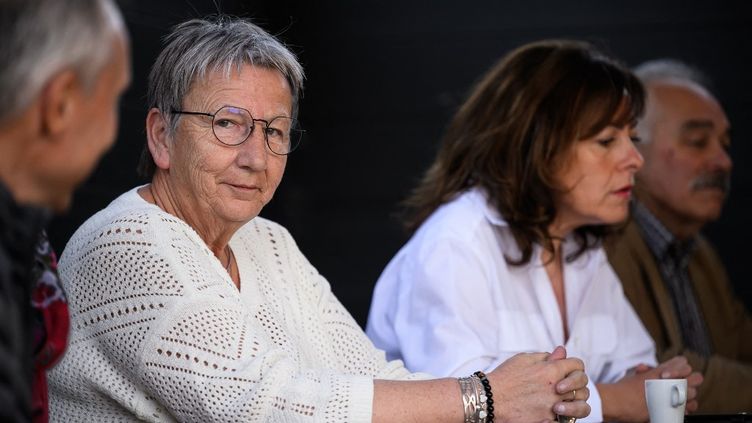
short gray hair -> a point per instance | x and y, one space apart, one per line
663 69
39 38
200 46
666 70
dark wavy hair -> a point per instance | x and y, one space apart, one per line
518 126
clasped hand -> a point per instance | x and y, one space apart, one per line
535 387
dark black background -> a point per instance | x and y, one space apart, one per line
383 78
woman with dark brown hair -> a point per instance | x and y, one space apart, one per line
505 255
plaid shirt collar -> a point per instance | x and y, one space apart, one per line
662 243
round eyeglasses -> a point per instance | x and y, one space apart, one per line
233 125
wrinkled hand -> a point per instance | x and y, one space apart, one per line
625 399
534 387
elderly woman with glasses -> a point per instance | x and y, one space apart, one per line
187 306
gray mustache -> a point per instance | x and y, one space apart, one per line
718 180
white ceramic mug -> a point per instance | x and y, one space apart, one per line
666 399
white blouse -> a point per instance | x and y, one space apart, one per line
449 304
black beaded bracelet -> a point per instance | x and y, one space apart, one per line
489 401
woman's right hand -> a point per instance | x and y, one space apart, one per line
535 387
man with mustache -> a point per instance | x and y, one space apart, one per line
670 273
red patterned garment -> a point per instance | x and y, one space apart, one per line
50 326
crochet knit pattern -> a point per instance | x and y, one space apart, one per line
160 333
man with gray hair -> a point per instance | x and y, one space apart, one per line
65 65
670 273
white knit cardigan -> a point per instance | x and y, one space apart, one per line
160 333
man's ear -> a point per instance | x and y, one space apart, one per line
61 98
158 139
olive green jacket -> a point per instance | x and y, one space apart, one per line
727 386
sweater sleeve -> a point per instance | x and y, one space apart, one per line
158 334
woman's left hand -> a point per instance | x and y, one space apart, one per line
624 400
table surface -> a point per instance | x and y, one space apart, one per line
719 418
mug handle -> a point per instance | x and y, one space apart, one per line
678 396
